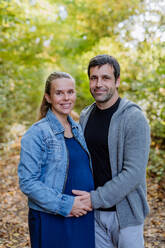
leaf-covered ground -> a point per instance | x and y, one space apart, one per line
13 208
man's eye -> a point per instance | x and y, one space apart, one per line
106 77
93 78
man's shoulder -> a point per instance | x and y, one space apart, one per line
88 108
131 113
85 113
130 108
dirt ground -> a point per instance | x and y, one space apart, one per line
13 208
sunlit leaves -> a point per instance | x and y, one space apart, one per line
26 35
38 37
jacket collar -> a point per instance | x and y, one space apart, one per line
55 124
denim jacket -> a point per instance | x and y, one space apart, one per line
44 165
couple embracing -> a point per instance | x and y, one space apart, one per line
86 183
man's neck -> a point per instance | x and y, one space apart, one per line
108 104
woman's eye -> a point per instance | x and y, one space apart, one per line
58 93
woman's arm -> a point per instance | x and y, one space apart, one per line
29 172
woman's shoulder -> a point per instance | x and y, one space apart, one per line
39 129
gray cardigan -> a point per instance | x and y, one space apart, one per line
129 143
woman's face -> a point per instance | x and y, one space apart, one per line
62 96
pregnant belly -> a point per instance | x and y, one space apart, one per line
79 179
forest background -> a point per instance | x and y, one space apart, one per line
38 37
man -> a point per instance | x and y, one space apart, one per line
118 138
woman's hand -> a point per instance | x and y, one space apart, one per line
80 206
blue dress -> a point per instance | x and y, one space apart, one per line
56 231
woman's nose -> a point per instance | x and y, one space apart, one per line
66 97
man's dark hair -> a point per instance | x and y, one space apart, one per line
103 59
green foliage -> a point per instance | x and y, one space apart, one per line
156 164
38 37
23 56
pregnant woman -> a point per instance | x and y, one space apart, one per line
54 160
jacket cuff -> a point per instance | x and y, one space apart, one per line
95 199
66 204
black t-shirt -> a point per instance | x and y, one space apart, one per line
96 135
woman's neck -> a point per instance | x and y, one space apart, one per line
63 119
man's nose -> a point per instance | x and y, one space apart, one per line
99 82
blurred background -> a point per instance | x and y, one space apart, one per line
38 37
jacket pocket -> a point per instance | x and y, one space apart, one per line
54 150
138 203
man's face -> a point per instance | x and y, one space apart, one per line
103 85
